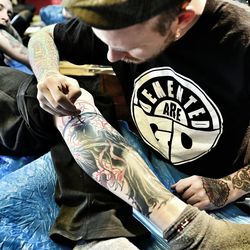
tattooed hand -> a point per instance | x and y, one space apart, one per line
209 194
204 193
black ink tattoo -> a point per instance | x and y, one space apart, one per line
227 178
216 190
241 179
14 43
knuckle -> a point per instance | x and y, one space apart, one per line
204 193
41 86
196 177
58 100
41 99
56 105
42 105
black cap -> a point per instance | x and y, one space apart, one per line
116 14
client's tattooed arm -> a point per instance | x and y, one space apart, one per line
107 157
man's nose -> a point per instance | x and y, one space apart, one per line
5 17
114 55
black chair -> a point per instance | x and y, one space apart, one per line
22 21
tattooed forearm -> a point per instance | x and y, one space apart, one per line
106 156
43 54
216 190
241 179
12 48
14 43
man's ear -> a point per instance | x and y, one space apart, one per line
185 18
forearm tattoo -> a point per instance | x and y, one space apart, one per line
106 156
216 190
241 179
14 43
44 59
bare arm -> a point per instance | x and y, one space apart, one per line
13 48
56 92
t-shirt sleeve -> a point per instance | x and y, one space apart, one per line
77 43
248 71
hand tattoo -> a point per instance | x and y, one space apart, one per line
216 190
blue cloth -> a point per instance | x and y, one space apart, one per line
10 164
19 66
27 206
51 14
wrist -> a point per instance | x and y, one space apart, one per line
234 192
47 74
165 215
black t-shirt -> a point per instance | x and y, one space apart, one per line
191 103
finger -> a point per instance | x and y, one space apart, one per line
193 200
74 93
202 205
60 101
63 87
71 88
188 193
47 105
51 111
181 187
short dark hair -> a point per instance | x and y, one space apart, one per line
166 18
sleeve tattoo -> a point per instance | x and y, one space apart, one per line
107 157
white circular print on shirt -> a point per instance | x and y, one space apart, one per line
174 115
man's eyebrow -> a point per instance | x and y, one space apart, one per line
8 11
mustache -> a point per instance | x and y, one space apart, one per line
130 60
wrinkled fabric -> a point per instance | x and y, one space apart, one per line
27 206
51 14
210 234
10 164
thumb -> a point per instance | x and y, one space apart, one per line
73 95
74 92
